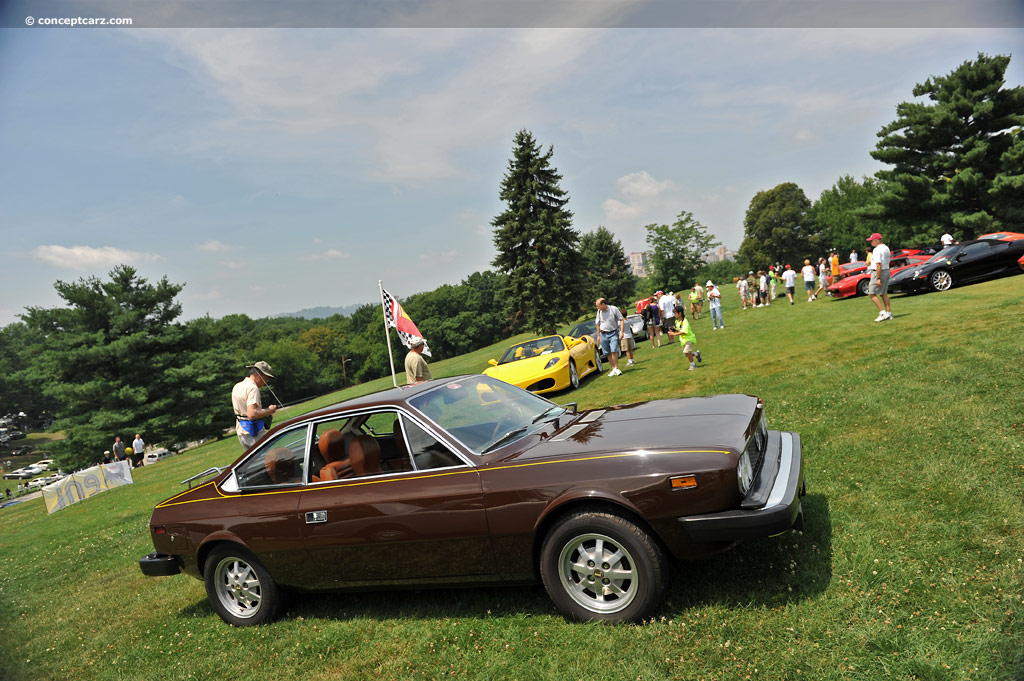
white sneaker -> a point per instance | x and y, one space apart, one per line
888 315
759 305
630 363
614 372
880 317
691 368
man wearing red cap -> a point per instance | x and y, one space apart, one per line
879 283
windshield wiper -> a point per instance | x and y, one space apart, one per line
544 413
504 438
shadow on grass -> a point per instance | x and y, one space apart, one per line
764 572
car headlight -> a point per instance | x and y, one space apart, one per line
917 274
744 472
551 362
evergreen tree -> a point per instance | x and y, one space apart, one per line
777 228
536 244
605 269
957 161
678 252
846 213
117 363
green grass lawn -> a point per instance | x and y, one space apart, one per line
910 566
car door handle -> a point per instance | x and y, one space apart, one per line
314 517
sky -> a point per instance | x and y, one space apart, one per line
275 169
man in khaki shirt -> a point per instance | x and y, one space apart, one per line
248 405
416 369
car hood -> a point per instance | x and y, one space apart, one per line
522 368
720 422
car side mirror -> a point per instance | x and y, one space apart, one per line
493 362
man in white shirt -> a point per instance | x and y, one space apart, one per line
789 279
610 329
666 303
879 284
248 405
853 256
947 239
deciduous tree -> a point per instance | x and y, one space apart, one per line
678 251
778 229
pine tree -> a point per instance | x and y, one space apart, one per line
956 161
606 270
536 244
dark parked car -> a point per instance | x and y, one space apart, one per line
589 328
470 480
961 263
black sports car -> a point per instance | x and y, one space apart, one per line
961 263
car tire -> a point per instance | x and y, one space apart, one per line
602 567
574 376
597 361
941 280
240 589
862 287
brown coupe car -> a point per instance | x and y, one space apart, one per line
470 480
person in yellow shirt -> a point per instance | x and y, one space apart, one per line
687 338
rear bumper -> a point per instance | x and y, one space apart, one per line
781 509
159 565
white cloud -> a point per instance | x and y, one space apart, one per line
641 199
88 258
207 296
329 254
214 246
233 264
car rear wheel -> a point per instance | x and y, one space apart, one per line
862 287
941 280
602 567
240 589
597 361
574 376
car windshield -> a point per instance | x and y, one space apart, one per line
584 329
483 412
945 253
534 348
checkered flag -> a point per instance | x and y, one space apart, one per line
395 318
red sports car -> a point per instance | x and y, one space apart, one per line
1003 236
857 283
1021 262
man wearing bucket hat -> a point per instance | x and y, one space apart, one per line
879 283
248 405
416 369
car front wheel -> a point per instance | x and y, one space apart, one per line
862 287
574 376
941 280
240 589
602 567
597 361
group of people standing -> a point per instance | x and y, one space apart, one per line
120 452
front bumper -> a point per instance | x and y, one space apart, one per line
159 565
772 505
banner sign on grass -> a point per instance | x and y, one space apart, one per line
83 484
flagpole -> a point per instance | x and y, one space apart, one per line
387 334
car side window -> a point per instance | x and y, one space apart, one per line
281 461
426 451
975 250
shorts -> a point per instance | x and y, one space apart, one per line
628 344
654 325
809 285
791 290
609 342
878 286
823 280
688 347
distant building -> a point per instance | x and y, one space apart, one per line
721 254
638 264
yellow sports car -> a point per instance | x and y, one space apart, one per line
546 364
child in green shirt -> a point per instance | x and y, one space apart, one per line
687 338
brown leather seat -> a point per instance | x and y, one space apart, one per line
364 455
281 466
332 447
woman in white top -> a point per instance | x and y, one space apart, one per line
809 276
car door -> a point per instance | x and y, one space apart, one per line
424 523
973 261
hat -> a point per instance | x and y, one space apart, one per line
709 283
659 293
874 236
788 267
750 272
416 341
263 368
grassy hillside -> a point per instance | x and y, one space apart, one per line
909 567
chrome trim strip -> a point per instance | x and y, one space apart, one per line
592 416
782 478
